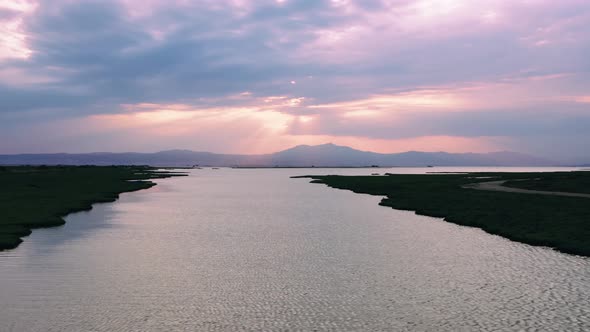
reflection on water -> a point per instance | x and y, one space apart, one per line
255 250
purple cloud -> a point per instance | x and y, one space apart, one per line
508 74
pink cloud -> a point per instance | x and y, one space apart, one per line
253 130
13 38
258 76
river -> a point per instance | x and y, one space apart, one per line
254 250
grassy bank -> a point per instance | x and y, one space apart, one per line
559 222
34 197
573 182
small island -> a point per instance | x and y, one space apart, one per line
40 196
541 211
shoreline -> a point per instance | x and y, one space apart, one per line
42 196
499 186
551 221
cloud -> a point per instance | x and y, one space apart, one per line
508 73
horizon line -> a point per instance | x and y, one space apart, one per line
261 154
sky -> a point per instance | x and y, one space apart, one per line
240 76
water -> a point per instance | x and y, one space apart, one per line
254 250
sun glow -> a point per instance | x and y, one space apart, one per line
432 8
305 118
184 116
376 104
13 39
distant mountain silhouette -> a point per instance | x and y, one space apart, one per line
334 155
325 155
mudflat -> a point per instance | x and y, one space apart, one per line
499 186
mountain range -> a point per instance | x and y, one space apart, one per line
325 155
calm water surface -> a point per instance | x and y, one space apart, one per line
253 250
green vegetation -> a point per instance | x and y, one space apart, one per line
559 222
34 197
573 182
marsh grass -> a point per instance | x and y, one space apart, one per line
559 222
36 197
